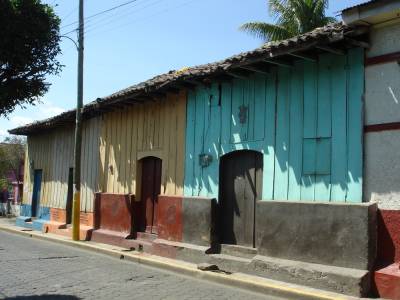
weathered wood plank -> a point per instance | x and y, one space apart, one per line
270 129
339 130
282 136
324 120
296 132
309 125
190 143
355 121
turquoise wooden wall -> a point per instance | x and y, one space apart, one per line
306 120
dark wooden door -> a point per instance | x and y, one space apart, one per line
241 186
70 194
37 185
151 188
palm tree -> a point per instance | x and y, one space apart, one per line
293 17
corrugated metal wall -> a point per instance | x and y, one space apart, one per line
52 152
151 129
306 120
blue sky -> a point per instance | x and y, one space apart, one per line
141 40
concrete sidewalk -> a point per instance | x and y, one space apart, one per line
248 282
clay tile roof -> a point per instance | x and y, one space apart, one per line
320 36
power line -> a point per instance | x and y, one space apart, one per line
136 20
103 12
141 19
99 23
69 14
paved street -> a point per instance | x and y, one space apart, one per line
31 267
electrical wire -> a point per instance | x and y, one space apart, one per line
143 19
102 12
94 26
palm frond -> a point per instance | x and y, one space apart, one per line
291 17
265 31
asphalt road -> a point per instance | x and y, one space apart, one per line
37 269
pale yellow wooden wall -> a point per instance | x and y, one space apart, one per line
155 128
52 152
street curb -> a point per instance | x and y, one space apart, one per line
239 280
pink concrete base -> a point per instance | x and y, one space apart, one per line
387 282
57 224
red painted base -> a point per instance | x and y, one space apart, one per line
387 282
388 236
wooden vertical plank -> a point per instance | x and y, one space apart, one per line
324 117
190 143
118 156
211 142
237 102
171 171
282 136
84 153
246 129
355 124
226 114
108 130
180 151
102 154
113 142
339 130
27 177
124 157
167 132
135 126
128 145
140 116
296 132
156 117
270 127
259 108
309 123
201 101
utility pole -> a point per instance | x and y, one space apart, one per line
78 133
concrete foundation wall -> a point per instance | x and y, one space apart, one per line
342 235
198 220
188 220
114 212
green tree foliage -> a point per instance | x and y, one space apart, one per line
29 44
12 154
292 17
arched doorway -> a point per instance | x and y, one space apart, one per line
240 187
150 189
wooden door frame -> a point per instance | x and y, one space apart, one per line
36 206
139 173
222 159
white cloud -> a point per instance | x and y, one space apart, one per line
47 109
20 120
3 133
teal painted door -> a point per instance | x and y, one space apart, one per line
37 184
